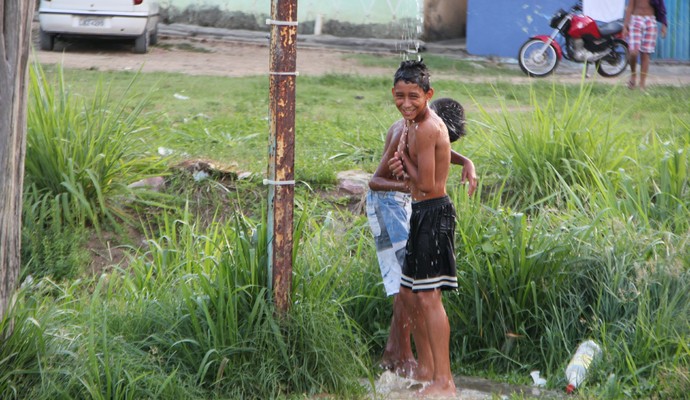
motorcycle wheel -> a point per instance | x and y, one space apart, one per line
535 62
615 62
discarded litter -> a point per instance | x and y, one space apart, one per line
538 381
576 371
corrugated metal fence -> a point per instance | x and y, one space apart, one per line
499 27
676 45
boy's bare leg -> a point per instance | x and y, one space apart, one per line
644 68
632 60
424 370
398 355
432 311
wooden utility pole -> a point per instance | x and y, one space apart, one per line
281 168
15 39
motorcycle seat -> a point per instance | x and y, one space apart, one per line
610 28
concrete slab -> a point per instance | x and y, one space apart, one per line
392 387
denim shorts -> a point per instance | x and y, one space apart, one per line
389 219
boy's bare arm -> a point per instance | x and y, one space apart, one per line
469 174
383 180
628 14
396 127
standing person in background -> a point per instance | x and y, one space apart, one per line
388 212
640 29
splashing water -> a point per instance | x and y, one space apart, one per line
390 385
410 44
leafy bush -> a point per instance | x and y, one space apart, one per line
555 142
85 152
50 246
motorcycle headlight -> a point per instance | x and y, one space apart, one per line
557 18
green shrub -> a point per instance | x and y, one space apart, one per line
85 151
50 247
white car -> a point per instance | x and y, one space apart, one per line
114 19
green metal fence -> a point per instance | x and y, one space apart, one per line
676 45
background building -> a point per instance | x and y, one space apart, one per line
491 27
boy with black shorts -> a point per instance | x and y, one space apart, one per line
388 211
423 159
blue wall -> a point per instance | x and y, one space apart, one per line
499 27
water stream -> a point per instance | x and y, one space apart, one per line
410 43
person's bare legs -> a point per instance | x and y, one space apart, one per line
424 370
632 60
644 68
398 355
434 314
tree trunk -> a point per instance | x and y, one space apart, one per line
15 39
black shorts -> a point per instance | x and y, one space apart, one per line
430 252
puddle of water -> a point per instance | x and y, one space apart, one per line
390 386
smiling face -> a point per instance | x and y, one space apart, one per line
410 99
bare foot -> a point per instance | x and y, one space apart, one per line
442 390
406 368
422 374
387 365
631 84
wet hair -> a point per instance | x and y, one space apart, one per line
413 71
453 115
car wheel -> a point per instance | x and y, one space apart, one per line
153 40
46 41
141 43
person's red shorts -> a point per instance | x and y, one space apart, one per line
642 33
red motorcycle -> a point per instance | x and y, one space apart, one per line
585 41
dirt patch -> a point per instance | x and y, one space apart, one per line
195 56
217 52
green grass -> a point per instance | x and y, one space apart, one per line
579 229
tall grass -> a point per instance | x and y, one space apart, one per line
84 152
51 244
534 151
190 318
578 238
578 230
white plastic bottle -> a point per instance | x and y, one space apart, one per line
578 365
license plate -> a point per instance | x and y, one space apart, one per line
92 21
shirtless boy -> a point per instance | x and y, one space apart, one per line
388 212
640 28
423 158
